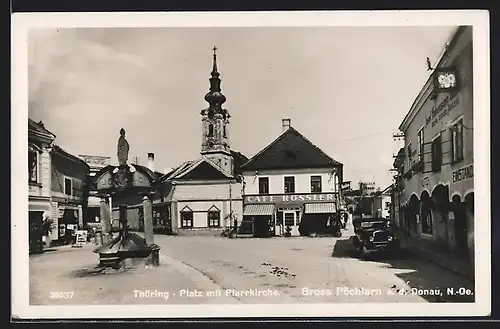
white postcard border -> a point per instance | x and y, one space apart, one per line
21 23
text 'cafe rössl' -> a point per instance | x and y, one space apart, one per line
301 198
301 213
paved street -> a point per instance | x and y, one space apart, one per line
281 270
321 265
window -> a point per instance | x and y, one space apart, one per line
68 186
186 219
263 185
420 141
213 218
316 184
289 184
289 219
32 166
387 205
224 131
457 141
427 221
210 130
437 155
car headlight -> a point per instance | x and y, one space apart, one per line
371 239
389 238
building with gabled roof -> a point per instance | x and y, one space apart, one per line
291 187
57 186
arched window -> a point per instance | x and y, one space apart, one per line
224 131
213 217
210 130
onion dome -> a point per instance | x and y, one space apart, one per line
214 97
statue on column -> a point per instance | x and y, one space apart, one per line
123 148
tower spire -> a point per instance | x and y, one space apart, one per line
215 73
214 97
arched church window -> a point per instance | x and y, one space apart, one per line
224 130
210 130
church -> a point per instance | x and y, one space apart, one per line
203 195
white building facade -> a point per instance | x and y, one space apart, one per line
290 187
437 185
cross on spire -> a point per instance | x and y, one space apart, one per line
214 68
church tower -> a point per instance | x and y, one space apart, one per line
215 119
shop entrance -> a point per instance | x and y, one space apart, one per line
35 233
461 230
262 226
290 222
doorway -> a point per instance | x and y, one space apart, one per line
261 226
290 222
35 231
461 231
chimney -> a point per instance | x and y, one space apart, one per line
151 161
285 123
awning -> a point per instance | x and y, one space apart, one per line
320 208
258 210
39 206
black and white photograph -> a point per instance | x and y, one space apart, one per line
250 164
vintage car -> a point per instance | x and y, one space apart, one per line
374 234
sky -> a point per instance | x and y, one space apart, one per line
346 89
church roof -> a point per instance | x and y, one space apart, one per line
204 169
239 160
291 150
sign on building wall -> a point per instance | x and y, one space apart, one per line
96 161
345 185
437 113
462 174
290 198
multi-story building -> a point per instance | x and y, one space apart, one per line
69 193
91 215
40 141
438 178
397 199
57 185
382 202
291 186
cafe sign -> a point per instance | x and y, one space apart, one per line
290 198
462 174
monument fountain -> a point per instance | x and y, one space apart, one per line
122 183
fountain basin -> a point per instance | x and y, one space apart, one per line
125 245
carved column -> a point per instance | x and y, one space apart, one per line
148 220
105 214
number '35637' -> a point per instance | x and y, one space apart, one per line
62 294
